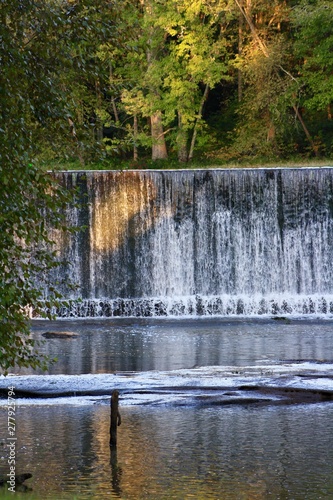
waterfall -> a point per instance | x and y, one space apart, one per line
200 242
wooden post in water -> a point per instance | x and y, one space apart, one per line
115 418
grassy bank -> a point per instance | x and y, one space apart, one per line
147 164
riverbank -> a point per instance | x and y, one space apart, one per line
148 164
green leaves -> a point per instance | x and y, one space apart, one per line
173 51
24 263
30 100
313 48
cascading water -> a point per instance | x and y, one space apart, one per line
200 242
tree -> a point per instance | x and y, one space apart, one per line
313 47
36 41
143 64
198 59
175 53
269 86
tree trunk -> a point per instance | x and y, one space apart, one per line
159 149
307 133
113 102
247 9
195 131
98 125
240 51
135 135
271 132
252 27
182 141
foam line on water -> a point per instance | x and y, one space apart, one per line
168 387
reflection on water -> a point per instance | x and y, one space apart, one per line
177 453
207 453
106 346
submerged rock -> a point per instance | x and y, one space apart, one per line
19 479
59 335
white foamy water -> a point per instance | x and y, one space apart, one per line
172 387
298 306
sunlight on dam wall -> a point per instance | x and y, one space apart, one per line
200 242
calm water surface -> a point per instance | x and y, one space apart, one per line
105 346
219 452
167 453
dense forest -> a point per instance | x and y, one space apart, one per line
210 80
